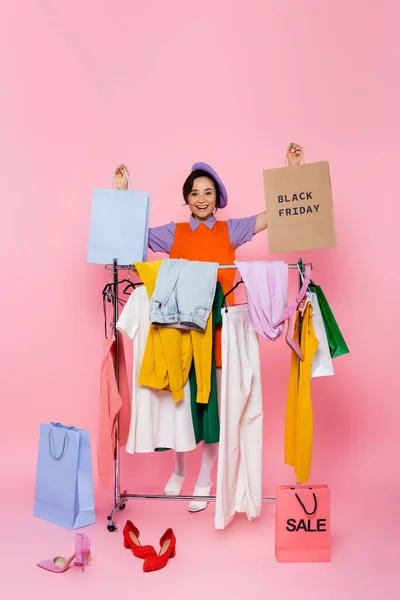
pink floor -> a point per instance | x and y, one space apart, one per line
236 563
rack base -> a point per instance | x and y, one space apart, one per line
124 497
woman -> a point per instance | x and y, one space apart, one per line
203 238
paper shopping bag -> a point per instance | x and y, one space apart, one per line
64 492
299 208
302 523
337 345
119 226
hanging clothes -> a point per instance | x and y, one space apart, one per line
156 422
169 352
267 284
267 290
299 417
113 401
239 474
183 294
209 241
206 416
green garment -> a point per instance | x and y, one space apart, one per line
205 416
337 345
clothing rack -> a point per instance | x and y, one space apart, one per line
120 498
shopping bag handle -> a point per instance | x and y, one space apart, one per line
63 426
64 448
310 514
126 175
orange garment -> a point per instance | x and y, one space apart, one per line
299 415
112 403
169 352
209 245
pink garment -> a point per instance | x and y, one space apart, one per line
267 289
112 402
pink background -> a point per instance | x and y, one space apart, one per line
159 85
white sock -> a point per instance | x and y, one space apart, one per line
209 455
180 463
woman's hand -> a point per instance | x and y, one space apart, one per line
121 180
294 155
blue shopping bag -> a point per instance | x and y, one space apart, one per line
119 226
64 492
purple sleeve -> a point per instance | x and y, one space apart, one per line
161 238
241 230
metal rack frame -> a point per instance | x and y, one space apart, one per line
121 498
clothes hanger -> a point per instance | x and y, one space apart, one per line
302 276
107 290
224 303
293 345
130 285
105 313
301 272
108 294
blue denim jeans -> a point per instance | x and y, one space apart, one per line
184 294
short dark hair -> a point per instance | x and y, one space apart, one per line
188 185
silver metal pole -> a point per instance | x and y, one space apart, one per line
116 333
131 267
180 497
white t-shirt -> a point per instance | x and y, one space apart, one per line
156 420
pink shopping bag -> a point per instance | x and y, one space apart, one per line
302 523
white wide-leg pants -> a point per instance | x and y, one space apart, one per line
239 474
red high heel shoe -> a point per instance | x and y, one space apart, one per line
131 540
167 551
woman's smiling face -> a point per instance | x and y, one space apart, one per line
202 198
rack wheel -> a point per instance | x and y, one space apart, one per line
122 505
111 527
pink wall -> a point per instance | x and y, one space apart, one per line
87 86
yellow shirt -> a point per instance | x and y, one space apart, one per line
299 417
169 352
